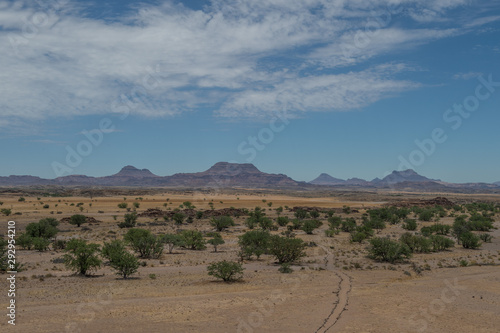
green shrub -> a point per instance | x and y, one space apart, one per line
82 256
193 239
178 218
309 225
410 224
470 241
417 244
78 220
41 244
285 249
130 221
25 241
216 241
285 268
254 242
348 225
441 243
172 240
282 221
144 243
384 249
486 238
45 228
228 271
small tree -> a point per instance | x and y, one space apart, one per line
172 240
6 211
300 214
136 205
188 205
254 242
226 270
21 199
384 249
282 220
78 220
279 210
410 224
144 243
221 222
266 223
178 218
470 241
82 256
193 239
41 244
122 205
286 250
120 259
216 240
45 228
129 221
25 241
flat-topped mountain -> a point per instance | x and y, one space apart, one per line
130 171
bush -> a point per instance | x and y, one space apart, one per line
266 223
410 224
130 221
59 244
82 256
384 249
77 219
221 222
178 218
282 221
417 244
426 215
172 240
441 243
6 211
334 222
25 241
120 259
21 199
309 225
144 243
486 238
226 270
314 214
41 244
193 239
300 214
296 224
348 225
358 236
199 214
285 268
286 250
122 205
216 240
441 229
470 241
45 228
254 242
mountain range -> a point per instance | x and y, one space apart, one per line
226 175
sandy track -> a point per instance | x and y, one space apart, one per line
344 287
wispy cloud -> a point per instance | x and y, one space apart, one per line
226 57
466 76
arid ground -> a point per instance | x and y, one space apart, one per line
335 288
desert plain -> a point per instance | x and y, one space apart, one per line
335 287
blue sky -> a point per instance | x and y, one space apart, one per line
342 87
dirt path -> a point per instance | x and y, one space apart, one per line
344 287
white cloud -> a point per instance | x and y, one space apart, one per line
467 76
227 57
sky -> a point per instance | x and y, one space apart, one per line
350 88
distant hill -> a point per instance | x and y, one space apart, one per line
326 179
246 175
404 176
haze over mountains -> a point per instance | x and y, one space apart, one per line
224 175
